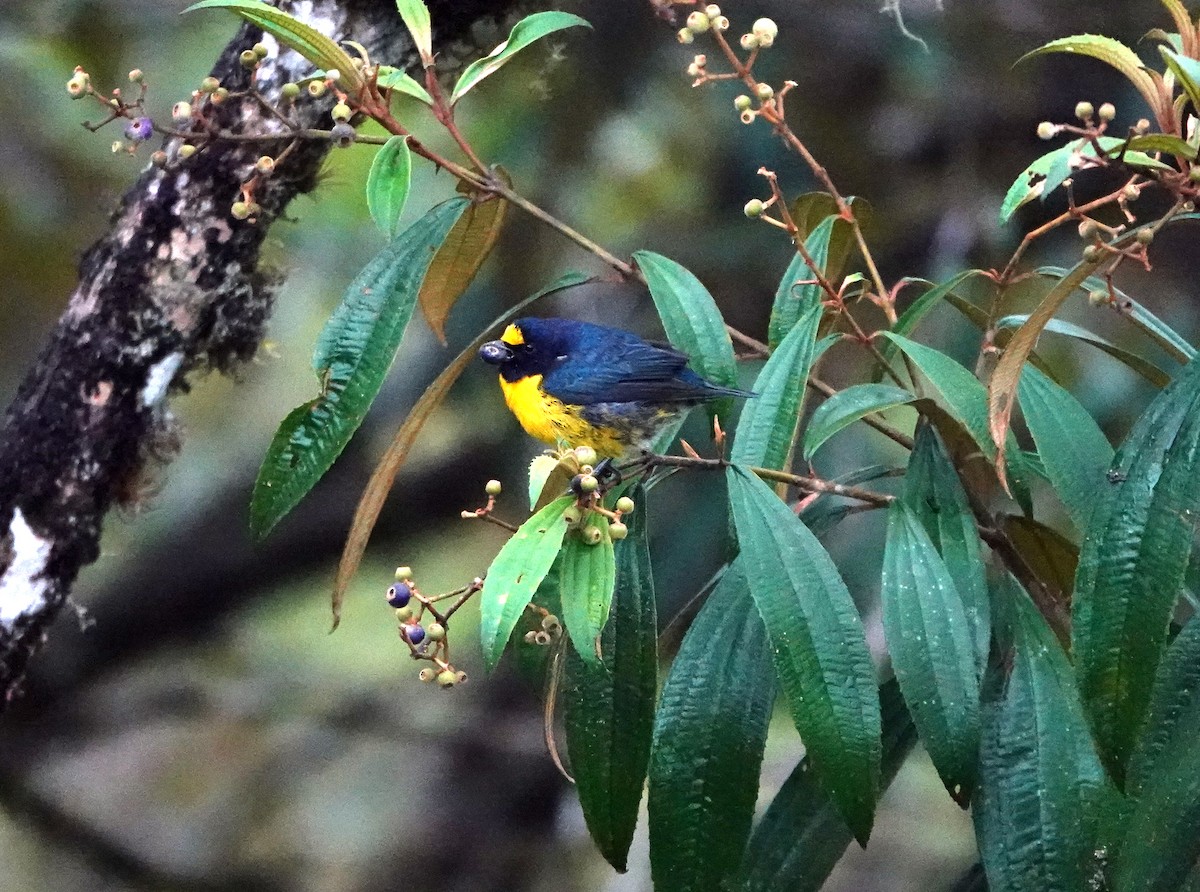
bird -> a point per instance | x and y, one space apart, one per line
579 384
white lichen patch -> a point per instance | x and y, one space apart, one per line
22 590
159 378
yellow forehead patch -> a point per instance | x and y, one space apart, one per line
512 335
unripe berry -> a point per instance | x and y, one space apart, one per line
1142 126
404 574
493 487
447 678
413 633
187 150
720 23
1107 111
159 158
551 625
427 674
1098 298
78 84
181 112
1088 229
341 112
591 535
260 50
461 677
399 594
136 76
754 208
332 76
209 85
764 91
617 531
572 516
436 631
530 637
747 117
541 638
685 36
588 483
1194 173
1084 110
1145 236
1046 130
743 102
1092 253
712 10
265 164
748 41
240 210
289 91
248 58
765 28
625 504
316 89
1131 192
586 455
405 613
697 23
218 96
342 135
765 42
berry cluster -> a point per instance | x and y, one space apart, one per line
588 487
427 638
549 628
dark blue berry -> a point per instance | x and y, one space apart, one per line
577 484
414 633
398 594
139 129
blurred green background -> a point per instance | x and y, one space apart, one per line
198 727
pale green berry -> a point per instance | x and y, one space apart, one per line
765 28
1107 111
685 36
447 678
1092 253
720 23
592 535
764 91
1144 236
493 487
341 112
260 50
743 102
316 89
333 75
749 41
541 638
572 516
1088 229
588 483
617 531
248 59
136 76
698 23
461 677
435 632
747 117
187 150
1098 298
265 164
551 625
1131 192
404 574
586 455
289 91
1194 173
712 10
219 95
1084 110
625 504
530 636
427 674
754 208
1046 130
1142 126
209 85
405 613
78 84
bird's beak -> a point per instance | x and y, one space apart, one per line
495 352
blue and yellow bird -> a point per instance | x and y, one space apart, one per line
590 385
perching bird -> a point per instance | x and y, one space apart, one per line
590 385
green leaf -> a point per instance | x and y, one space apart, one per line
587 576
768 423
920 308
848 406
691 320
1074 451
936 496
821 653
1049 171
811 209
1143 367
929 639
1187 73
709 736
1051 557
1041 787
310 43
1111 52
459 258
352 356
1174 709
515 575
609 710
388 183
529 29
549 478
801 837
415 16
390 78
1165 336
793 300
1163 142
1132 565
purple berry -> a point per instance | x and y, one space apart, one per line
414 633
398 594
139 129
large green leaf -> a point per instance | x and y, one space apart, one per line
609 710
820 648
848 406
923 305
768 422
1041 788
415 15
709 736
1187 74
388 182
310 43
389 78
1174 709
1143 367
801 837
528 30
352 357
691 320
929 639
798 291
1073 449
587 576
1132 565
516 573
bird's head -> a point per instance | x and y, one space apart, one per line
527 347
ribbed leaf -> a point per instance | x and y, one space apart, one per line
352 357
388 183
1041 787
1143 367
848 406
794 299
691 320
310 43
935 495
921 307
1163 142
709 736
801 837
1132 565
415 15
768 422
390 78
929 639
1174 709
587 576
609 710
1187 75
1073 449
528 30
1052 557
515 575
821 653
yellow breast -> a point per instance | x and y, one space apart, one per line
553 421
